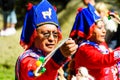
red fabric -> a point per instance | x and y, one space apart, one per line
29 6
97 64
81 34
32 38
29 63
80 9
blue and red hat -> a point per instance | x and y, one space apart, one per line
43 13
84 22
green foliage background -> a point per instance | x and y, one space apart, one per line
9 46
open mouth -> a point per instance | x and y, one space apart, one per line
50 45
103 36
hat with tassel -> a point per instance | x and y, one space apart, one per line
40 14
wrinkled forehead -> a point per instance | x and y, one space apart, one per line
100 23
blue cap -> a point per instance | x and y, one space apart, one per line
45 13
84 22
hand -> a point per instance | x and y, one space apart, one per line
61 74
115 16
116 53
69 48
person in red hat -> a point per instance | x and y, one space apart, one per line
86 2
40 35
89 33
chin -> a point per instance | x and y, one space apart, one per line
49 50
101 41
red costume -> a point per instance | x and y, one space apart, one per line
100 62
38 15
91 56
27 62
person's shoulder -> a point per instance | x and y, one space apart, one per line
86 47
28 53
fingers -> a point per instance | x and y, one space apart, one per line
115 17
72 48
69 48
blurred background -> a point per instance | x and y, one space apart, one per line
9 45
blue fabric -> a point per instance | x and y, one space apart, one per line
84 21
28 27
90 43
45 13
62 59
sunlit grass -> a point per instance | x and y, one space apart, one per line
9 51
6 73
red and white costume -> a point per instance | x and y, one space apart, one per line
97 59
27 62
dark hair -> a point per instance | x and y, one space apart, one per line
7 5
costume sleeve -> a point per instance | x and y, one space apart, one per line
59 58
93 58
27 64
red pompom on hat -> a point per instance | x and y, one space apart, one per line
29 6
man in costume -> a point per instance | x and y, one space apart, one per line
40 35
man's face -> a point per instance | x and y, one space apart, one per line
47 37
89 1
86 2
99 32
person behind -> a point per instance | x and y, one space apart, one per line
93 53
86 2
40 35
82 74
9 17
111 25
61 74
